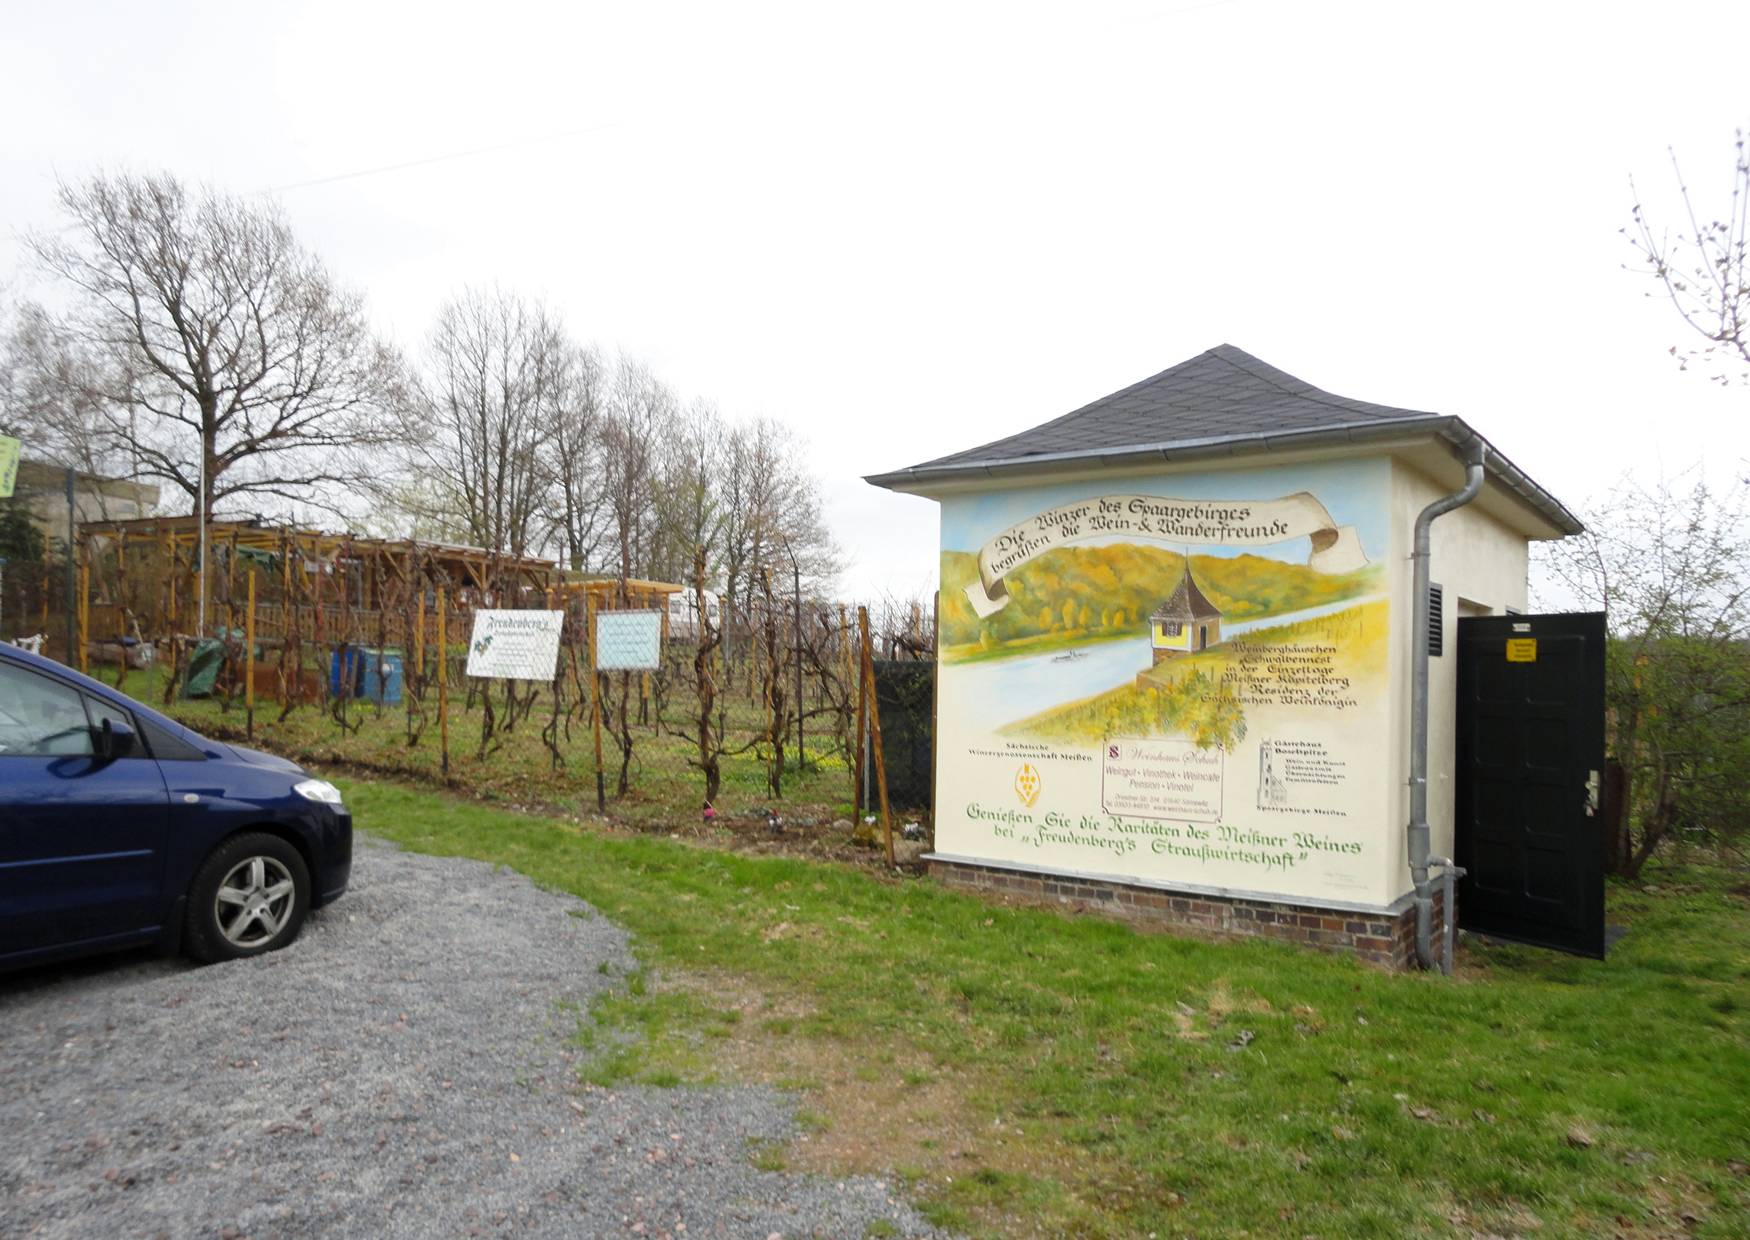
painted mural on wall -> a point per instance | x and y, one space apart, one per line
1184 681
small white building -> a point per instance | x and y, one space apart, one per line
42 488
1256 780
683 612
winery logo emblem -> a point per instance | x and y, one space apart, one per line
1027 785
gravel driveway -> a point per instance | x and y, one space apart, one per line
401 1070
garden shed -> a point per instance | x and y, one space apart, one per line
1181 635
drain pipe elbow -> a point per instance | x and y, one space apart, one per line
1475 455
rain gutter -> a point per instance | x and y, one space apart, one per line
1476 454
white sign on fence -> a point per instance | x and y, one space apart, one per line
515 645
628 641
8 465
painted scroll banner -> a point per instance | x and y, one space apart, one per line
1109 518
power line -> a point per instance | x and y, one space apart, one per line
475 152
380 169
439 159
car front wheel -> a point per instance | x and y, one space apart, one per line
249 897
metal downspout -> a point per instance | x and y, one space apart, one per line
1475 453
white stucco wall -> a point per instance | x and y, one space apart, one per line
1479 561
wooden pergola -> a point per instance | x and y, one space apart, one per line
144 574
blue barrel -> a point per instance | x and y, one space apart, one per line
366 675
380 675
343 672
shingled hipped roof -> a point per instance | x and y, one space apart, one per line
1219 403
1187 602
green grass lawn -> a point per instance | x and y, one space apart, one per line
1034 1074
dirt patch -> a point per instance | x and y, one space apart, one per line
866 1112
802 831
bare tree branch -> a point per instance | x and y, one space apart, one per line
205 340
1704 271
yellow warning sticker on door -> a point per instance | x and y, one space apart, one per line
1522 650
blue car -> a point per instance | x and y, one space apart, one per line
121 828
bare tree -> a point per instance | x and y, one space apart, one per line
771 508
640 407
1703 268
689 511
1671 565
211 345
577 519
45 395
482 411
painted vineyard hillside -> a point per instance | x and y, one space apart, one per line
1071 596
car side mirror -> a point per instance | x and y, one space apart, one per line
114 739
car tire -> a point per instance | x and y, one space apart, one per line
249 897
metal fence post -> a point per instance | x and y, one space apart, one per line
935 702
857 776
72 576
84 609
796 584
249 662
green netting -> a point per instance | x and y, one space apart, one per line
204 664
203 668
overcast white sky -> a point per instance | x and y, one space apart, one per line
908 229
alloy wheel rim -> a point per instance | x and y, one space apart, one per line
254 900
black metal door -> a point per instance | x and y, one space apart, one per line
1530 829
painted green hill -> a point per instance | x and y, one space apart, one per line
1091 592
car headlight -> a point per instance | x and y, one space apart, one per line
317 790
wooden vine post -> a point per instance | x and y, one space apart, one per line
291 676
415 681
230 587
443 648
170 633
249 661
868 689
595 703
419 633
122 610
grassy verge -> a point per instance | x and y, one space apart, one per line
1030 1073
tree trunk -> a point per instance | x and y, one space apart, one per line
1655 828
1617 844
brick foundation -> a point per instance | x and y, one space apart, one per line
1386 938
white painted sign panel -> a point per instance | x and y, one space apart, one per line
628 641
515 645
